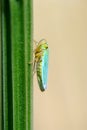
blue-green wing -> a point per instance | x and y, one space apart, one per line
42 71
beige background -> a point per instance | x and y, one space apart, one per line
63 106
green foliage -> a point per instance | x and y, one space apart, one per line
0 77
17 73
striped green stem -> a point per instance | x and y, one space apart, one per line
0 76
17 73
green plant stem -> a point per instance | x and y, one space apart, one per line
0 77
17 73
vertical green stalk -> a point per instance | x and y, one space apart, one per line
0 76
17 73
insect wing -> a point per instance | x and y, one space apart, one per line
42 71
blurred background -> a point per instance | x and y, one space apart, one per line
63 106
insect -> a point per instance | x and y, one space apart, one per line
40 66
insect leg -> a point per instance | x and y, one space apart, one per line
36 43
34 67
31 62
